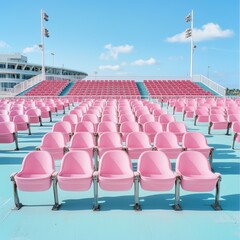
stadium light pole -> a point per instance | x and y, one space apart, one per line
44 33
189 34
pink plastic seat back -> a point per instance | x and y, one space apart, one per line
110 117
178 128
82 141
54 143
136 143
167 142
85 126
35 174
164 119
155 171
21 122
109 141
151 129
196 141
145 118
115 171
6 132
73 119
128 127
236 130
126 118
196 172
5 118
218 121
76 171
34 115
107 127
65 128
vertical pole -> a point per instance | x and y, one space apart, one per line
42 36
192 49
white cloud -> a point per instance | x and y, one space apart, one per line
141 62
109 67
34 48
206 32
4 45
114 51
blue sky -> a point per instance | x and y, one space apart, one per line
127 37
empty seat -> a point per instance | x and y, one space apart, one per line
54 143
236 132
218 122
34 176
151 129
155 173
22 123
109 141
115 174
178 128
196 176
75 173
196 141
8 133
65 128
128 127
164 119
34 116
82 141
137 143
72 119
167 142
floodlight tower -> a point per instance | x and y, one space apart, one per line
44 33
189 34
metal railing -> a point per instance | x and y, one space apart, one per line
210 84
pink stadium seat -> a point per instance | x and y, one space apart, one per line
34 116
196 176
22 123
65 128
82 141
236 132
109 141
34 176
178 128
5 118
75 173
196 141
136 143
155 171
201 115
128 127
151 129
115 174
167 142
72 119
54 143
8 133
217 122
164 119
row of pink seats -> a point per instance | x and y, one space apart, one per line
136 143
104 88
154 173
48 88
174 87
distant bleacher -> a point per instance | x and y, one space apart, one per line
161 88
48 88
105 88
